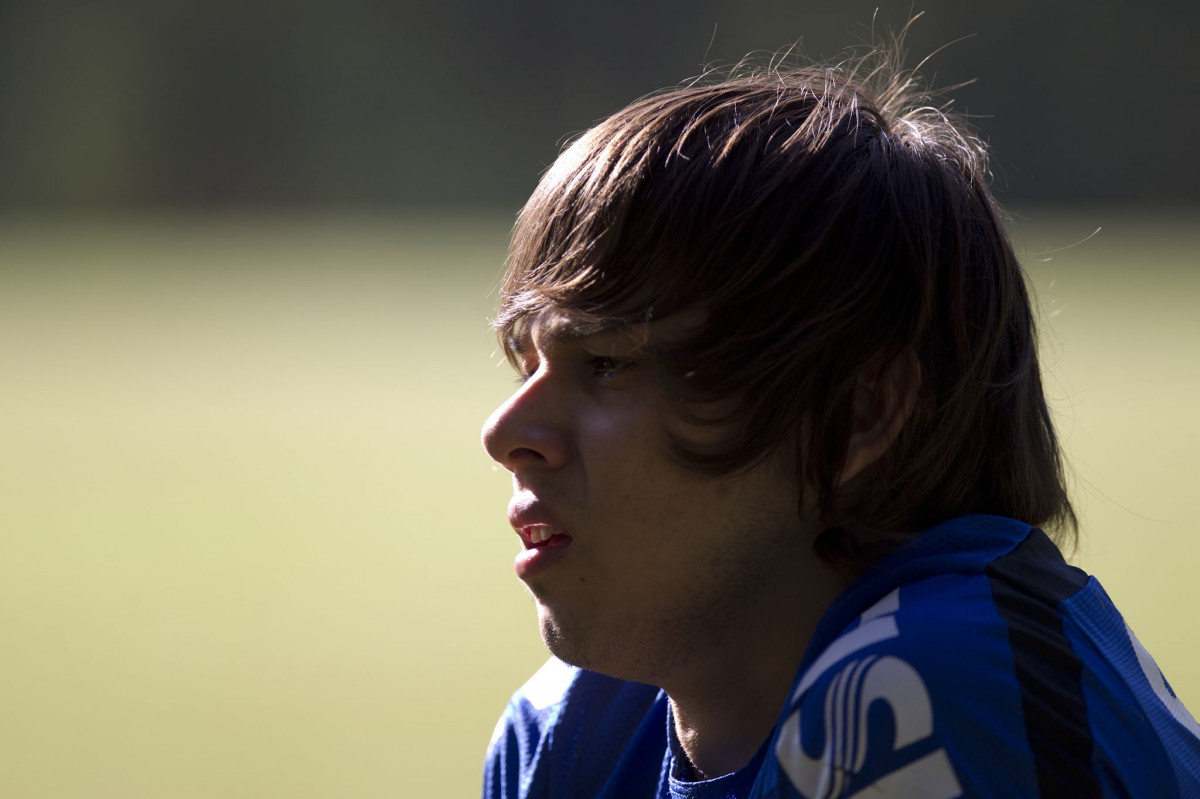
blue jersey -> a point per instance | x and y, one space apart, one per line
971 662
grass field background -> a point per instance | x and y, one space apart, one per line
250 545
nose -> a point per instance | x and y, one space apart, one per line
530 430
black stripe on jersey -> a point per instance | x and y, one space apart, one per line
1027 585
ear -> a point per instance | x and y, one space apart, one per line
884 396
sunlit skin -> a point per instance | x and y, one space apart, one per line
707 587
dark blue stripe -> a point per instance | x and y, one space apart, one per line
1027 585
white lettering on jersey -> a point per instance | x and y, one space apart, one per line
848 699
877 624
1158 684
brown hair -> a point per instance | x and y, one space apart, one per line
825 219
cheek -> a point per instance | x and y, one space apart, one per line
635 481
627 443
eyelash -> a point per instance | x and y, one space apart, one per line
601 366
605 366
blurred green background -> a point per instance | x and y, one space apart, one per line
249 543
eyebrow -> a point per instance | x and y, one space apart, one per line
562 330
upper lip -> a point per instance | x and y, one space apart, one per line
525 510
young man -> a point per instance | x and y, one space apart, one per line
780 455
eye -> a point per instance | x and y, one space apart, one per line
605 366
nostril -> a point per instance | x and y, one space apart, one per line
525 453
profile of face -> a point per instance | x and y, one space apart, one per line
637 564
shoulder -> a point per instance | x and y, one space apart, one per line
564 730
532 713
1019 678
919 684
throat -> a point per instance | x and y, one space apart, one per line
719 747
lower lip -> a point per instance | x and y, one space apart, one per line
535 560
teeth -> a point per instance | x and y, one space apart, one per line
540 534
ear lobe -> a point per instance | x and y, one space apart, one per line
884 396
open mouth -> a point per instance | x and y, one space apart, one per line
540 536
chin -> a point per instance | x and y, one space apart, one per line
567 647
608 653
571 643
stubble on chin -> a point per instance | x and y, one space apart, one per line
575 643
639 649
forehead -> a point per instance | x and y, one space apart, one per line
557 324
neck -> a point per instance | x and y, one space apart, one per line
727 704
719 737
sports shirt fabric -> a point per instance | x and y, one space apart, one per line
973 661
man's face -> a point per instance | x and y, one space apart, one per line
637 565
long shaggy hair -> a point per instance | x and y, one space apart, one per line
826 219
